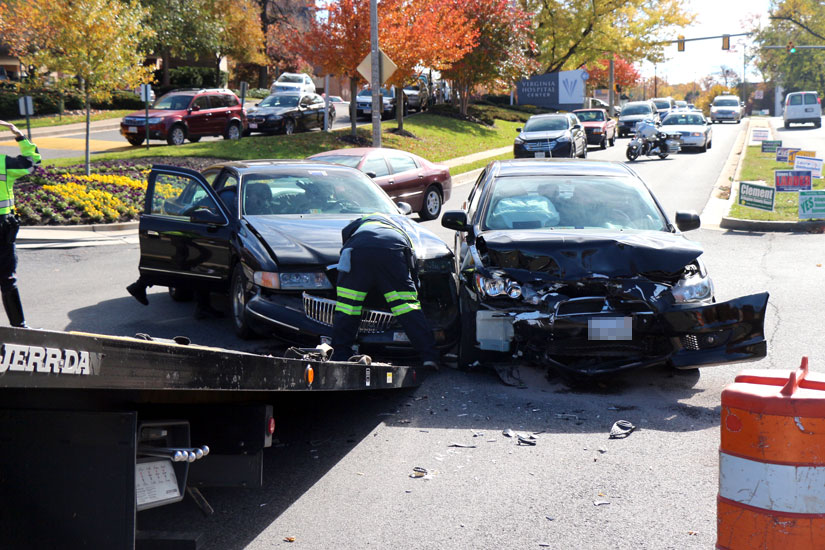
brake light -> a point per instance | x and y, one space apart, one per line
270 426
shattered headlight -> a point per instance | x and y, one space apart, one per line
697 287
291 281
518 141
497 286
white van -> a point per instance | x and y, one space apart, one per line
802 107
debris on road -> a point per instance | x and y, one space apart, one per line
528 440
621 429
462 445
508 433
600 503
289 539
421 473
566 416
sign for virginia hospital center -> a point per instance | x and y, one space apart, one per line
562 90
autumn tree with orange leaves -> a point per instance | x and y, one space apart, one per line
624 73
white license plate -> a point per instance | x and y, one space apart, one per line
253 125
610 328
367 111
809 109
155 483
400 337
132 129
539 154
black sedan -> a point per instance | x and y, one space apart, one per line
575 265
267 233
289 113
558 135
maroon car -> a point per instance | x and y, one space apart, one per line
188 114
600 128
404 176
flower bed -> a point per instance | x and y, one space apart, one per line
114 192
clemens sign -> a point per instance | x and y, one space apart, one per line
563 90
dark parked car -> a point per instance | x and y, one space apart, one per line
289 112
600 127
267 232
188 114
575 265
558 135
363 103
404 176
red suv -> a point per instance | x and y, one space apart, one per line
188 114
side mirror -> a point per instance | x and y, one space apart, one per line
371 175
404 208
518 130
206 216
687 220
194 108
455 220
257 104
577 126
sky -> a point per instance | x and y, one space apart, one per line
701 58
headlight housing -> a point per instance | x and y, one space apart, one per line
519 141
694 287
315 280
497 286
563 139
155 119
273 117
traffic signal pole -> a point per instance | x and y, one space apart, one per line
611 94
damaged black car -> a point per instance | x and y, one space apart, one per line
267 233
575 265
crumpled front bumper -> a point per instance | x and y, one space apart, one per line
686 336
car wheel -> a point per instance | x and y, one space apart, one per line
603 144
818 124
135 141
787 124
710 144
632 154
181 294
584 151
431 208
289 126
177 135
194 139
738 120
704 147
239 299
663 156
233 132
468 354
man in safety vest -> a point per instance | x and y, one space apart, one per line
378 255
12 168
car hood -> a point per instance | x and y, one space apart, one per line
555 134
316 240
591 254
270 110
594 124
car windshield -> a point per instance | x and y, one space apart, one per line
368 93
291 78
683 119
588 116
726 103
636 110
346 160
172 102
582 202
546 124
681 103
285 100
317 190
662 104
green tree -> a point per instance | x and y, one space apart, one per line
234 29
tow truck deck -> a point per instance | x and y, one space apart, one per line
95 428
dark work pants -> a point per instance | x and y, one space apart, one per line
8 256
387 272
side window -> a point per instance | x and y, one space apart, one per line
178 196
306 100
227 184
317 100
401 163
377 165
210 176
202 102
475 196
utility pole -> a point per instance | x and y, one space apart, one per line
611 94
655 82
377 101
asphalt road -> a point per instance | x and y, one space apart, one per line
339 476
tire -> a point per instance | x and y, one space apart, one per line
704 147
135 141
239 296
181 294
233 132
431 208
818 124
177 135
194 139
663 156
738 120
289 127
632 154
467 351
710 144
603 144
584 151
787 124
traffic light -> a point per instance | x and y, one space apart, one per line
725 41
618 88
790 48
680 44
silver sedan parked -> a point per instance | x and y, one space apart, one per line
693 126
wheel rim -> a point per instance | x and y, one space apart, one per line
433 203
177 136
234 132
238 301
289 127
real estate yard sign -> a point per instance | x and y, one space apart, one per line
809 163
811 205
792 180
771 146
783 152
756 196
793 154
760 134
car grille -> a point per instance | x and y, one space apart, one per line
322 310
257 119
690 342
134 121
544 145
364 105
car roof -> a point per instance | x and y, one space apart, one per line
643 102
359 151
559 167
549 115
274 165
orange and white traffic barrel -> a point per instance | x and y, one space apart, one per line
772 462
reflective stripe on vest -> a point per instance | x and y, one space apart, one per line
6 196
7 203
2 177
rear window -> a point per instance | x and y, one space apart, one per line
662 104
795 99
810 99
636 110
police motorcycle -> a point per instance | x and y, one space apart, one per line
649 141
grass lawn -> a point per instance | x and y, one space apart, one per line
437 138
56 120
456 170
758 167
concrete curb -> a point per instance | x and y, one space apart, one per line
68 129
716 208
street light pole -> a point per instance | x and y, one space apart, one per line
377 101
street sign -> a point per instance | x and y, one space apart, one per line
802 153
811 205
759 94
771 146
26 106
789 181
809 163
146 92
783 152
387 67
756 196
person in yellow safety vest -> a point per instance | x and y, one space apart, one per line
378 255
12 168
